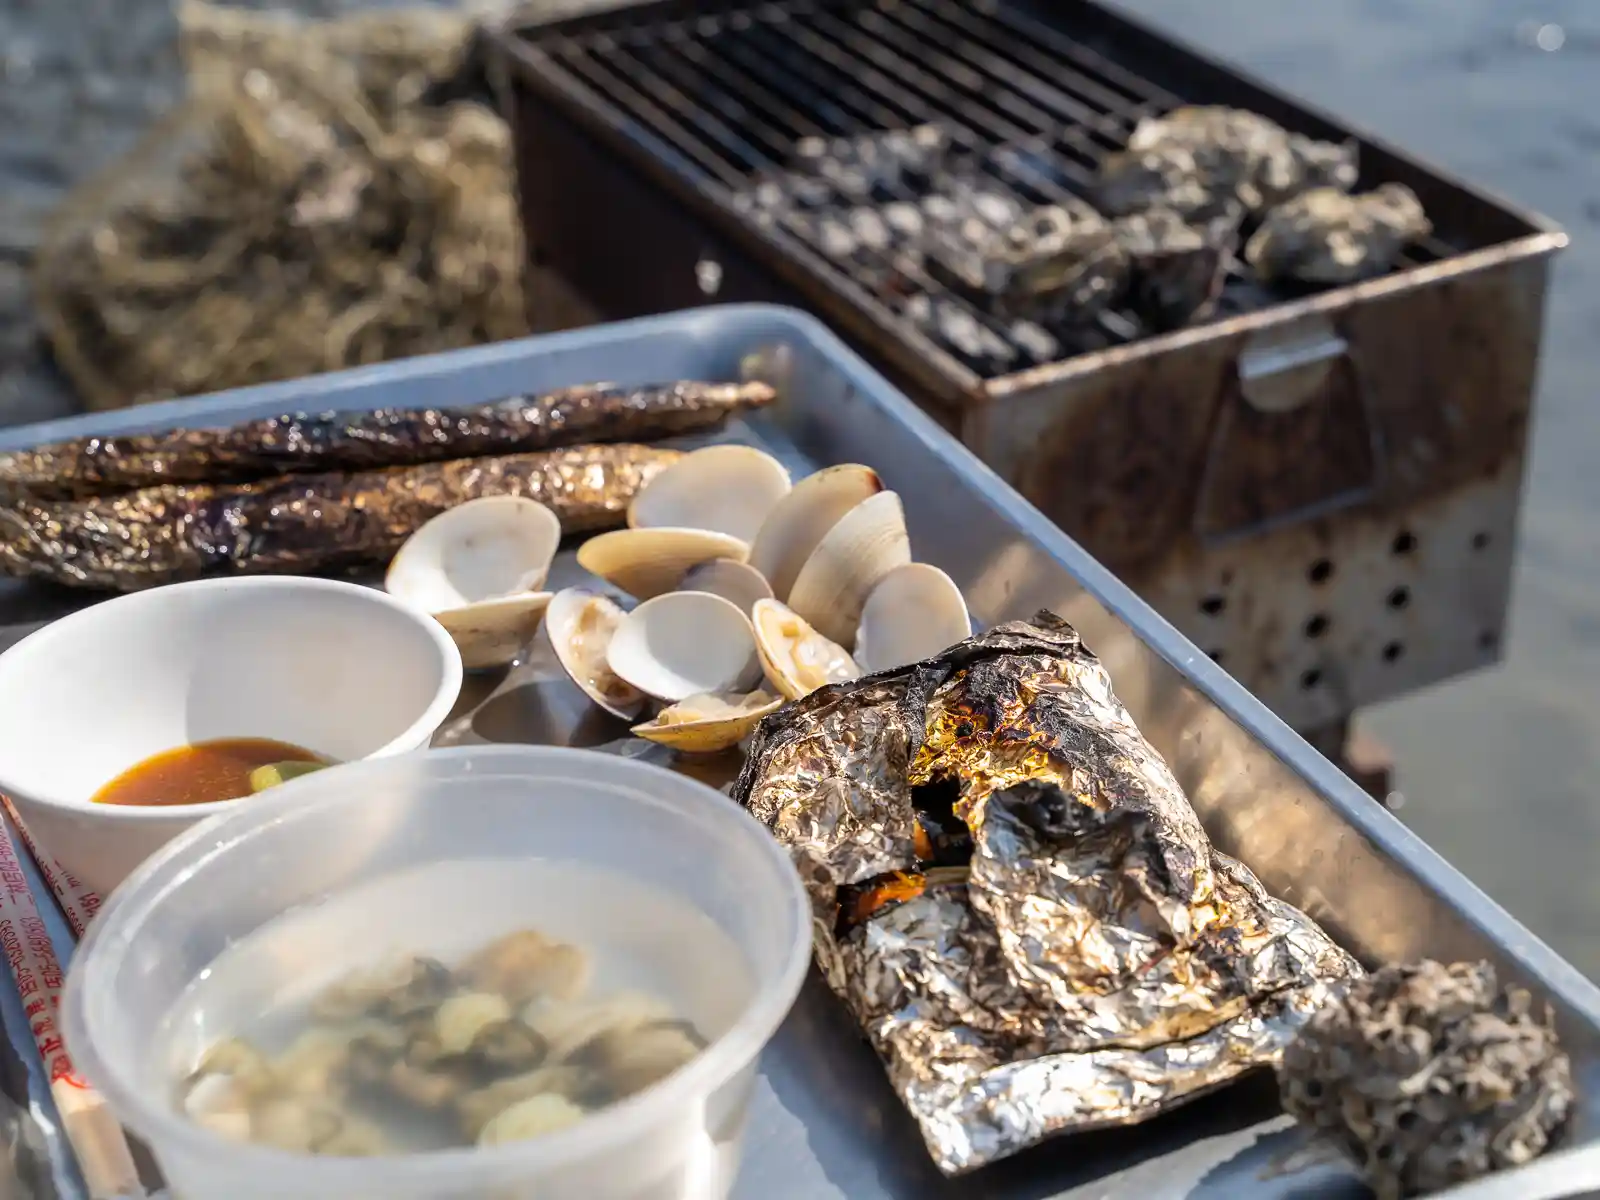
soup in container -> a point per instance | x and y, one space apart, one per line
485 971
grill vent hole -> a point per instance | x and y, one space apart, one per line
1310 680
1480 540
1393 652
1317 626
1213 605
1399 598
1404 542
1321 571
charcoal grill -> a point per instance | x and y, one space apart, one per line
1320 489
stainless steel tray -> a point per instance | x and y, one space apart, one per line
824 1123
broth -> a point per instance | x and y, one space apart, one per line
200 772
468 1026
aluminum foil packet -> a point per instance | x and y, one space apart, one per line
1016 901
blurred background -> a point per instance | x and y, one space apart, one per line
1498 769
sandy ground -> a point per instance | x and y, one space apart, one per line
1498 770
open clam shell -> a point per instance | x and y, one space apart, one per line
726 489
832 588
580 625
646 563
685 644
799 522
736 581
708 723
915 612
478 569
796 658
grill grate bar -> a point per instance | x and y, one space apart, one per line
728 95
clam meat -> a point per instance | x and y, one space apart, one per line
796 658
580 626
511 1045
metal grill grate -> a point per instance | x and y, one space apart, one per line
727 97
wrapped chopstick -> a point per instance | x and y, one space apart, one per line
77 903
96 1139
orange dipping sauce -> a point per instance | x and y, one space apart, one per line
200 772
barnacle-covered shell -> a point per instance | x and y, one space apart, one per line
1328 237
735 581
647 562
530 1118
915 612
707 723
1429 1075
477 1108
580 624
633 1059
803 518
685 644
727 489
796 658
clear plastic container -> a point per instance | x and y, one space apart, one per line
355 825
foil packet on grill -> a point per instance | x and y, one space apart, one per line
1017 903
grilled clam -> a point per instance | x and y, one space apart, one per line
730 579
479 570
866 544
796 658
914 612
707 723
646 563
725 489
799 521
580 625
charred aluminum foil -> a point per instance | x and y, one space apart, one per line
1326 236
1016 902
359 441
301 523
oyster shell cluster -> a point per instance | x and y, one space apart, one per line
1007 259
749 591
509 1046
1429 1075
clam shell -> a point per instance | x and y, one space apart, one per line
683 644
832 588
726 489
680 729
736 581
478 569
796 658
580 626
800 521
646 563
915 612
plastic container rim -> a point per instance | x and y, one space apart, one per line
625 1121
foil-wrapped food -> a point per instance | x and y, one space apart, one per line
1016 902
302 523
364 441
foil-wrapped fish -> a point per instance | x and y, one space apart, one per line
1017 903
360 441
301 523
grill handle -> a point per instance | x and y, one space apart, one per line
1295 435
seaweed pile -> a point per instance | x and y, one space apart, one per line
1006 260
307 209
